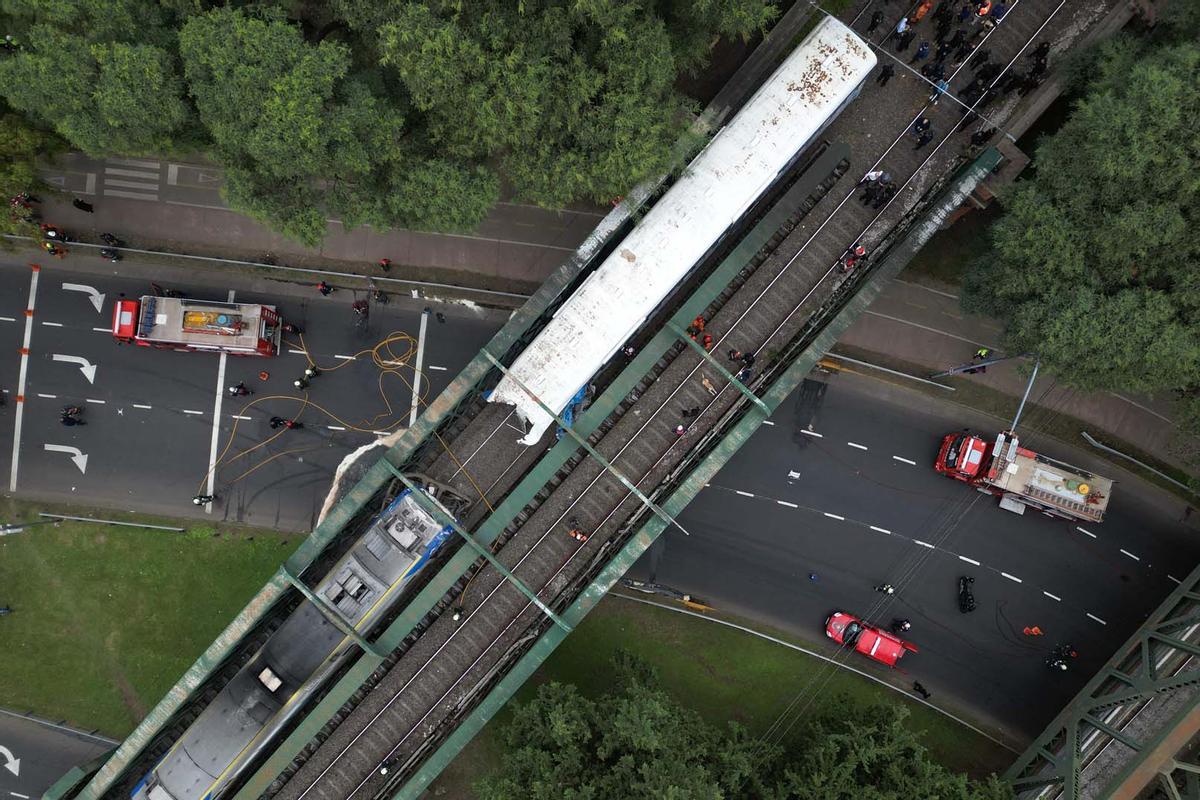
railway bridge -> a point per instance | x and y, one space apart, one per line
752 240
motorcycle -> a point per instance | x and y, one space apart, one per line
110 254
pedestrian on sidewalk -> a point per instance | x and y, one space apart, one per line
324 288
876 21
885 74
921 690
83 206
981 354
921 52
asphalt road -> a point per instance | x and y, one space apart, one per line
44 750
842 485
150 434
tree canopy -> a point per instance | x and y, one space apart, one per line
1093 263
384 112
636 741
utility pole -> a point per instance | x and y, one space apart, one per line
1025 397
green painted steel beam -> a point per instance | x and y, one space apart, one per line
592 451
687 339
444 517
329 613
888 268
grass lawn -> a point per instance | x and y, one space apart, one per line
723 674
106 619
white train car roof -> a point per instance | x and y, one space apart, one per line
728 176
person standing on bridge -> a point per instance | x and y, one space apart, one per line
921 125
885 74
870 177
876 21
904 41
921 52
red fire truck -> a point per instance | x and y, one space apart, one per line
1022 478
173 323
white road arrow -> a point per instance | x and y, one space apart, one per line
12 763
86 367
78 457
96 296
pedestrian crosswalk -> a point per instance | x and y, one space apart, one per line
136 179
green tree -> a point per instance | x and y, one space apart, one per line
302 136
20 146
871 754
573 100
1093 264
634 742
101 98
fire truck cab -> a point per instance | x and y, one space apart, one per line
174 323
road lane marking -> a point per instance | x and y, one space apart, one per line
131 195
48 396
1081 530
969 560
86 367
80 458
416 395
345 358
131 173
381 433
102 330
833 516
924 544
52 324
880 530
335 427
298 352
216 424
24 372
786 503
856 444
743 494
13 319
905 460
239 416
1053 597
436 369
1093 616
190 411
97 402
1012 578
814 434
142 405
18 794
1131 555
95 296
1172 577
131 162
767 422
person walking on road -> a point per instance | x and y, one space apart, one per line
324 288
239 390
921 690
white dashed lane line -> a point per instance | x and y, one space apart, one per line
298 352
765 421
834 516
52 324
786 503
141 405
102 330
239 416
1131 555
189 411
97 402
335 427
436 369
1093 616
924 544
49 396
969 561
1089 533
813 434
858 446
905 460
344 358
1172 577
12 319
743 494
1053 597
1012 578
880 530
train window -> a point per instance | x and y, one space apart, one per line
269 679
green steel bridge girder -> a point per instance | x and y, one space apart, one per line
1131 679
690 341
796 372
329 613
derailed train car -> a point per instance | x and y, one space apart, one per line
294 663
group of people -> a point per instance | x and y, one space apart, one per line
878 188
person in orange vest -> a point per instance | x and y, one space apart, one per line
920 13
575 532
983 8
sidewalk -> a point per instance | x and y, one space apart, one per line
922 324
